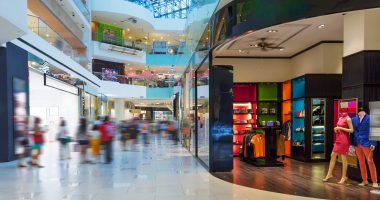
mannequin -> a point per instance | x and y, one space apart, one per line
341 146
364 147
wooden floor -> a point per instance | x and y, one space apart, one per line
296 178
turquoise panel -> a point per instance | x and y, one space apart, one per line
167 59
298 86
159 93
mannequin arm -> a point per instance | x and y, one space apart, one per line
350 128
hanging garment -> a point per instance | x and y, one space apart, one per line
259 145
287 129
280 145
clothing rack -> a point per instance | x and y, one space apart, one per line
270 149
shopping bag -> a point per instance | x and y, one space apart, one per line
76 147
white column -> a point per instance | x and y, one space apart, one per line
361 31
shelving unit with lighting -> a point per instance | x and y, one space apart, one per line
313 115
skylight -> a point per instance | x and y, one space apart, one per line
168 8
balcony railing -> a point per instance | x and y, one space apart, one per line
136 44
141 81
38 26
84 9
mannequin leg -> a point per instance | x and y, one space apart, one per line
372 168
331 167
344 169
363 168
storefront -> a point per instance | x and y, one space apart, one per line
292 82
52 98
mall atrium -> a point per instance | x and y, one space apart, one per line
189 99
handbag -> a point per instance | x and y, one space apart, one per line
76 147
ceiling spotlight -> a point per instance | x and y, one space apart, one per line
321 26
281 49
240 50
272 31
128 29
47 35
162 38
130 37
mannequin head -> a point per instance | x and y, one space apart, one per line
361 110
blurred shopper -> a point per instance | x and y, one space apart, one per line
133 129
95 142
22 144
144 130
38 141
64 140
83 140
124 134
107 133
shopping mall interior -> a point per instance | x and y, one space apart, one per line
189 99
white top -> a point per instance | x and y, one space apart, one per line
62 132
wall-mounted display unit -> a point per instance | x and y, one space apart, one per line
312 118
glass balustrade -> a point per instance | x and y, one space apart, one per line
44 31
82 5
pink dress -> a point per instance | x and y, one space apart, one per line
342 138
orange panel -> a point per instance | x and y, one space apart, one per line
287 90
287 147
286 109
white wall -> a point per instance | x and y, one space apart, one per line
258 70
117 90
44 99
323 59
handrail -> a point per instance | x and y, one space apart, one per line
83 7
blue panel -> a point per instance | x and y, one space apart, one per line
298 105
167 59
159 93
298 87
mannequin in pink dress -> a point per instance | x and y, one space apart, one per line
342 133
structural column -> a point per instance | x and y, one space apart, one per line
361 64
13 66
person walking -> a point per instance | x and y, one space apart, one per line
83 140
38 141
95 142
106 134
64 139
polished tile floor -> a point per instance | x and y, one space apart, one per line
159 171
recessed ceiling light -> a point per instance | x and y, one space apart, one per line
272 31
130 37
240 50
282 49
128 29
321 26
47 35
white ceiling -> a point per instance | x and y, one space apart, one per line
294 37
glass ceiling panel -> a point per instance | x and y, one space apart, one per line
168 8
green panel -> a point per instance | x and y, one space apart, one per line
267 117
268 92
118 30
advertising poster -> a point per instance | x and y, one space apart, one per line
20 118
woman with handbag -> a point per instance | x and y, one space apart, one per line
38 141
